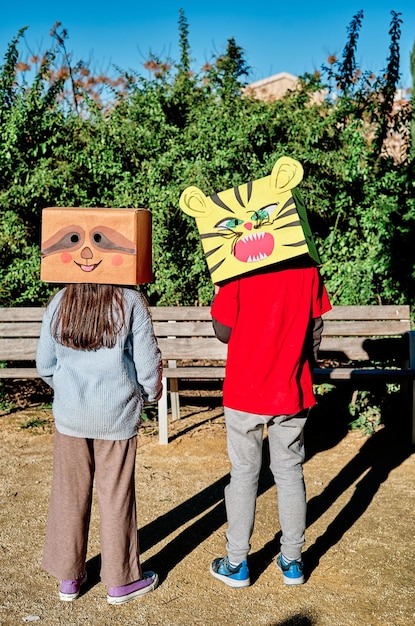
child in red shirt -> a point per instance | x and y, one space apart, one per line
271 318
272 324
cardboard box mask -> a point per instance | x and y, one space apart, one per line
96 245
252 226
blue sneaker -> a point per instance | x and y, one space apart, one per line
292 571
232 576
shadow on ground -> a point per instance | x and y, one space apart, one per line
204 513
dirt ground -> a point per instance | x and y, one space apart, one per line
360 553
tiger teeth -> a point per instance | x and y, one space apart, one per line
259 257
253 237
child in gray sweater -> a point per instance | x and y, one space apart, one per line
98 352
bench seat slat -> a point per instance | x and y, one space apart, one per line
18 373
350 373
212 373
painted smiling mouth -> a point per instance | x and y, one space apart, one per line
88 268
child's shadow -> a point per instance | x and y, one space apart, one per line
164 525
208 501
380 454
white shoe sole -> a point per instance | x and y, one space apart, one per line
289 581
231 582
70 597
134 594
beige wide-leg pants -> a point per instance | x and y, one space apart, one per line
76 462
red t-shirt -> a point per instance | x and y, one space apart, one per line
267 368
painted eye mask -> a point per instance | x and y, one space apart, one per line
70 239
67 238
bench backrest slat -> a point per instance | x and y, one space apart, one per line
18 349
369 312
365 328
191 313
363 348
21 314
22 329
186 333
200 348
165 313
184 329
196 348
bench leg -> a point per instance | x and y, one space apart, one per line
412 398
162 415
174 393
174 398
411 384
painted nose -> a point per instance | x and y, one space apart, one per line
248 225
86 253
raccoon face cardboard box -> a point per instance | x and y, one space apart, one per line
96 245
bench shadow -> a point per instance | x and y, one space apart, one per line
191 427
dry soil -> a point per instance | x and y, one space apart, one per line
359 555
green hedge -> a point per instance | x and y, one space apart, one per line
64 144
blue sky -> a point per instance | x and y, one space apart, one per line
276 36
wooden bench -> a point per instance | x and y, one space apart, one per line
360 343
190 352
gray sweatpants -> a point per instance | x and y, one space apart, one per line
77 463
244 438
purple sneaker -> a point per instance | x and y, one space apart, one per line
125 593
69 589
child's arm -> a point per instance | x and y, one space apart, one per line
318 326
222 332
147 357
320 304
46 351
223 311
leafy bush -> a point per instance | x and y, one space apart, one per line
65 144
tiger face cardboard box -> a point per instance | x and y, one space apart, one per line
96 245
252 226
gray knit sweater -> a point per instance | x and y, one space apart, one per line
100 394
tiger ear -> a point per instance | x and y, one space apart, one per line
194 202
286 174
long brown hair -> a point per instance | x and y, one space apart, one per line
89 316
